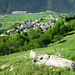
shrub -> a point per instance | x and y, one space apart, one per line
0 25
57 37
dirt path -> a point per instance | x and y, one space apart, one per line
51 17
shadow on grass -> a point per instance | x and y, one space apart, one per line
62 41
69 34
72 49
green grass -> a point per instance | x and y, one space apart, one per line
44 21
6 25
66 47
10 20
22 17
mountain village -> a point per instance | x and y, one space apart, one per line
24 27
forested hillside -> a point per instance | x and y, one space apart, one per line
7 6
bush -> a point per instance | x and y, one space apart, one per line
3 48
0 25
58 37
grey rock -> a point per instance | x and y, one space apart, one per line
53 60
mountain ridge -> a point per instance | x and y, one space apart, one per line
7 6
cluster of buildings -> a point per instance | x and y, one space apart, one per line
19 12
26 26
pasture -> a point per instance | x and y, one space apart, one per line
9 20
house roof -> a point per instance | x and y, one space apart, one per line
10 30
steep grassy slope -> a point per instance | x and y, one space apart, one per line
7 6
24 66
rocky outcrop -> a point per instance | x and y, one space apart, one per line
52 60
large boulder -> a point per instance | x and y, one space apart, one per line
52 60
41 59
59 62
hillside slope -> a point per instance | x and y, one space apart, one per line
7 6
22 66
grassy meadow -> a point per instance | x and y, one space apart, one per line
44 21
23 66
10 20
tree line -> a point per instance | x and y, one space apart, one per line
34 39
